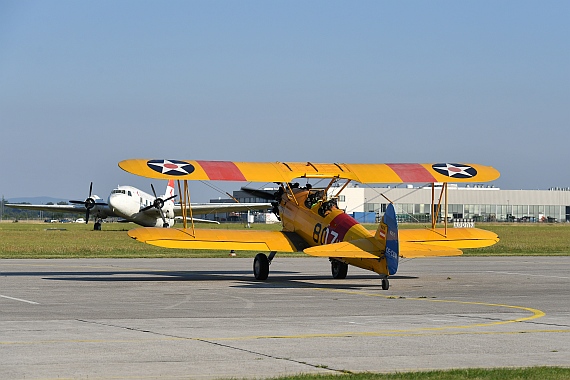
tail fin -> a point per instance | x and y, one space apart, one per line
387 234
169 189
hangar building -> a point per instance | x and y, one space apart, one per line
480 203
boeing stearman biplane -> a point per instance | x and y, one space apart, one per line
312 222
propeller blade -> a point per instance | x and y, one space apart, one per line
164 224
146 208
90 188
263 194
169 198
158 203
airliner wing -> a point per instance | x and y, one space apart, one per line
210 208
79 209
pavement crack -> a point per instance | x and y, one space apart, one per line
211 342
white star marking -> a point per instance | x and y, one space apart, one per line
168 166
453 170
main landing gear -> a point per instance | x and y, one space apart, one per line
261 265
97 224
338 269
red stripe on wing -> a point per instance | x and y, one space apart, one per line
412 173
222 170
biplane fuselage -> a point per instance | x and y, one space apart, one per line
317 227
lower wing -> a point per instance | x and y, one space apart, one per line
220 239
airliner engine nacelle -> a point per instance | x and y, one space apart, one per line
160 223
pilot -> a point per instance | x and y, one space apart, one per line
327 207
314 199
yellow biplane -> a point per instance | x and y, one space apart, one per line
312 222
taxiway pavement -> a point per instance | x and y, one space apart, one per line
208 318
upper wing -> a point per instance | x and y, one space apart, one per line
220 239
287 171
209 208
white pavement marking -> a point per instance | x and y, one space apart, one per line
526 274
19 299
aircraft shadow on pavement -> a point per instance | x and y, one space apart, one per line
244 278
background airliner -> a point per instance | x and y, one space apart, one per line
134 205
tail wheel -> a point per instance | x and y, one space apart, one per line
385 284
261 267
338 269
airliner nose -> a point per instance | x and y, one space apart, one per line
113 201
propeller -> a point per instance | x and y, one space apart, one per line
263 194
270 195
158 204
89 203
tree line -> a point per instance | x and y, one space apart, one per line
9 213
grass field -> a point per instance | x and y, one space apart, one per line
535 373
71 240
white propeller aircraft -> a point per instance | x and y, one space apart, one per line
133 205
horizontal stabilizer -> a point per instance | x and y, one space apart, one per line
454 237
241 240
358 249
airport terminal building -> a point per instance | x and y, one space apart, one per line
478 203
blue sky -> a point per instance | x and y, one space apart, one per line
86 84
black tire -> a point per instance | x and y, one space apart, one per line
97 226
338 269
261 267
385 284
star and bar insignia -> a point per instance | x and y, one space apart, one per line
455 170
171 167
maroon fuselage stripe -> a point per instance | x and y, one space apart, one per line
222 170
412 172
341 224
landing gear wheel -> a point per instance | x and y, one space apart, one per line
97 226
385 284
339 269
260 267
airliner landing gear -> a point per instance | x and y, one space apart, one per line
385 284
97 225
338 269
261 265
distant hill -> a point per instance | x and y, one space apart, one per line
36 200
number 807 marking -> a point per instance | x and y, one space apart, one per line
324 235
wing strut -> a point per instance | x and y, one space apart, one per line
342 188
435 212
186 205
292 193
